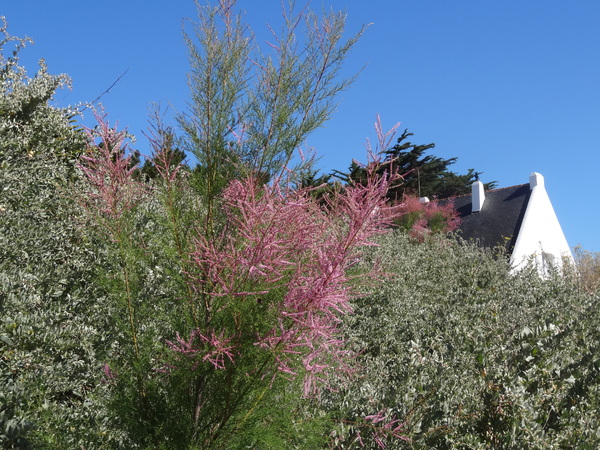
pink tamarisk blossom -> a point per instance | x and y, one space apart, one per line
108 170
109 375
385 427
433 216
164 152
211 347
284 253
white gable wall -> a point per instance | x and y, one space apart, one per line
540 236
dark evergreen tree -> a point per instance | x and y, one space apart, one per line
423 175
322 186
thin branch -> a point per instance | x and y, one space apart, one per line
105 92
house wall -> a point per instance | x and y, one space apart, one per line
540 236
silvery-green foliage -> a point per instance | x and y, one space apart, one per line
472 357
51 316
29 124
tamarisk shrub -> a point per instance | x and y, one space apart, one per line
253 327
271 290
118 209
420 219
113 194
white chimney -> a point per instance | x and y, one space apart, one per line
536 179
477 196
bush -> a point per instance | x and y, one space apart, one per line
588 266
422 218
248 326
466 355
51 331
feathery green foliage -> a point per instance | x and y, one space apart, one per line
251 108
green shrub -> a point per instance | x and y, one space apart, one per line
52 316
469 356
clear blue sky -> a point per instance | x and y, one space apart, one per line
508 87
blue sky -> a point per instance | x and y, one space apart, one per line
508 87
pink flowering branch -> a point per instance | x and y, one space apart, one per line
109 375
112 192
108 170
285 242
211 347
384 427
384 139
381 426
163 157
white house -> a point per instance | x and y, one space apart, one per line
520 218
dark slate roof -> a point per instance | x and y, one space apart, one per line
499 220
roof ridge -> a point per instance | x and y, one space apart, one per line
508 187
493 190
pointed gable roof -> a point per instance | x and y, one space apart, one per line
519 218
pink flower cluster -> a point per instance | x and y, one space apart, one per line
211 347
108 170
434 216
109 375
384 427
280 244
